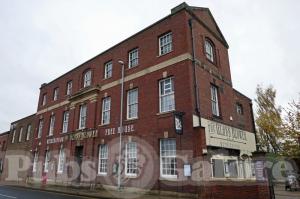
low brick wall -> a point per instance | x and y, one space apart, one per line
234 190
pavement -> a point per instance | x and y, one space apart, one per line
34 191
281 193
54 192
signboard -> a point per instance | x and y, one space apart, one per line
57 140
84 135
259 170
225 136
74 136
126 129
187 170
178 122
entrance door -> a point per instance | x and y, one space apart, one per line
78 159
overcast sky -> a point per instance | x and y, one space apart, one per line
40 40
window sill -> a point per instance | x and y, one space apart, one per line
106 78
131 119
81 129
86 87
102 174
132 67
165 113
215 117
101 125
164 54
131 175
162 177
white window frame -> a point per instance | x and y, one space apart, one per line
44 99
170 156
82 116
46 161
87 78
55 94
225 160
209 50
20 134
214 100
69 87
51 125
103 159
35 161
28 132
131 159
108 67
165 43
239 109
14 136
132 105
65 126
61 161
106 106
163 94
133 58
40 130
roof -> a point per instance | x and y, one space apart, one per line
23 118
238 92
4 133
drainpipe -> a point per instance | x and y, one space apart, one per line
253 126
195 80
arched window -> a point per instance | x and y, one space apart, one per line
87 78
209 50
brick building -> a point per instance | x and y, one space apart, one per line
185 128
3 146
19 143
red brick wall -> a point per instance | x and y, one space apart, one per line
234 190
22 148
3 147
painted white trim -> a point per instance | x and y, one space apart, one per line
160 96
126 160
159 44
160 161
104 100
99 160
137 103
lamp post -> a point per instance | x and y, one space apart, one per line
121 125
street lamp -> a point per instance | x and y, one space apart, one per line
121 125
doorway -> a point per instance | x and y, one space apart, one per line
78 159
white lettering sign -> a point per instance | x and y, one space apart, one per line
84 135
225 136
126 129
56 140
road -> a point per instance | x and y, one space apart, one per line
9 192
